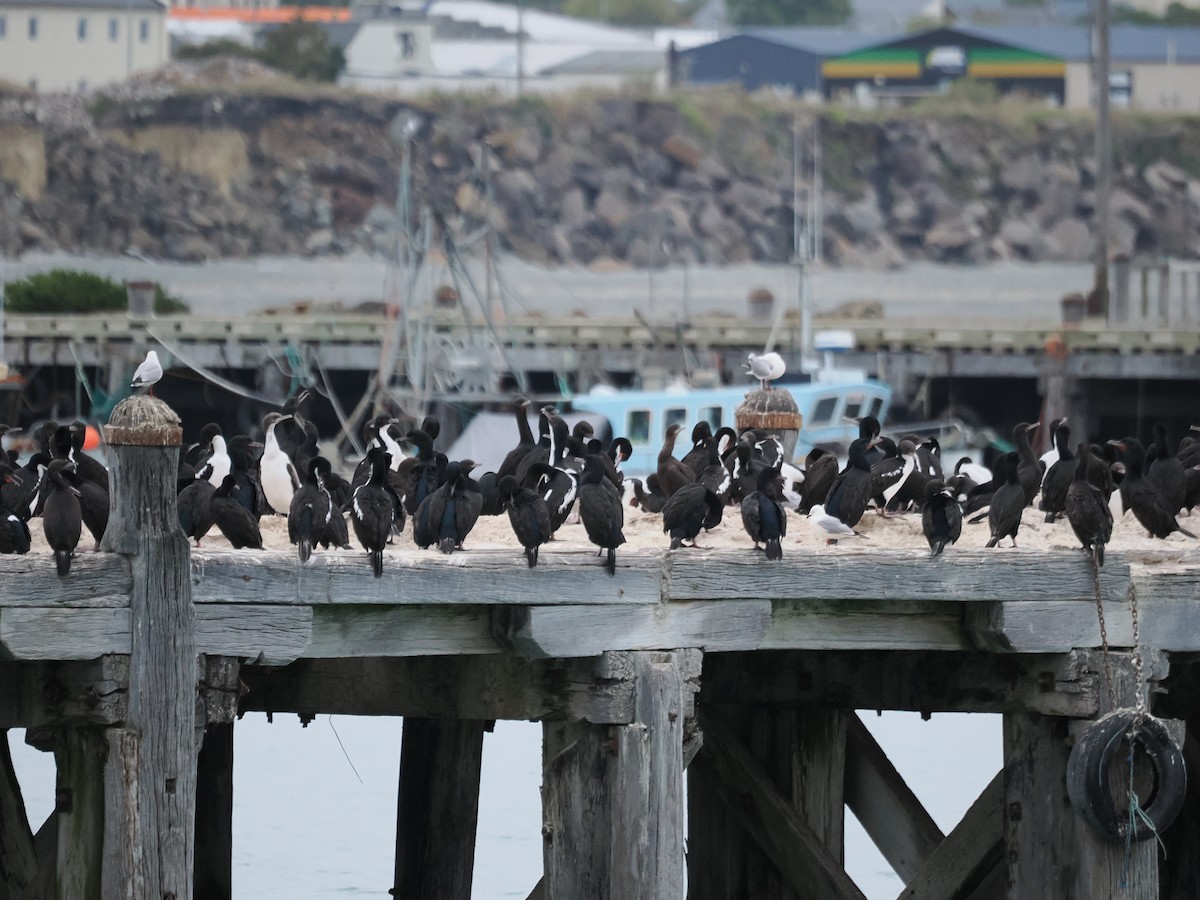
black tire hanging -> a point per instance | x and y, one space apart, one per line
1088 773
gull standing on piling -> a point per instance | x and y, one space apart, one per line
149 373
766 367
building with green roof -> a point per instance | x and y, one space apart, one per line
926 63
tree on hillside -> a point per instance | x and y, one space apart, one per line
626 12
637 13
301 49
210 49
1176 14
788 12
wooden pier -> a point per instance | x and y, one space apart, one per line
133 668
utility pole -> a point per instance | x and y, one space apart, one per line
128 39
520 49
1100 70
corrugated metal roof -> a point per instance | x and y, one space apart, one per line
117 5
821 41
1127 43
611 62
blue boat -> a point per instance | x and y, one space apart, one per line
829 409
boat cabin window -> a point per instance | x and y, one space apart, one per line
854 404
638 426
824 410
876 406
674 415
711 415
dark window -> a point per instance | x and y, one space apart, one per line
113 28
853 406
674 415
3 26
876 406
711 415
33 25
81 28
824 410
408 45
144 30
638 430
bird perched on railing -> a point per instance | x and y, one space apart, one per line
62 519
1087 509
528 516
310 509
763 515
446 516
941 516
601 512
372 510
234 520
766 367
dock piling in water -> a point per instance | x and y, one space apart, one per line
150 778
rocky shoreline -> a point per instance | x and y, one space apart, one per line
607 183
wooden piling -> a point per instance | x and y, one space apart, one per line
1039 823
612 796
214 814
1107 869
150 791
18 857
438 808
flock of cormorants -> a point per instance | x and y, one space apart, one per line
225 483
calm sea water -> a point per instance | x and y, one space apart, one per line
315 807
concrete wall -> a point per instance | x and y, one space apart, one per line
60 58
23 160
218 154
1157 87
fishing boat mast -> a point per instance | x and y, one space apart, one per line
806 234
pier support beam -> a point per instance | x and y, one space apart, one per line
150 795
1039 823
1106 870
766 808
220 690
214 814
18 857
1179 867
612 795
438 809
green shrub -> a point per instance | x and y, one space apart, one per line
168 304
68 291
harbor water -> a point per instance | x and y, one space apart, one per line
315 807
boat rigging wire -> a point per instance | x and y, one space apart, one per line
211 376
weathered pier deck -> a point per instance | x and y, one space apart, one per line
132 670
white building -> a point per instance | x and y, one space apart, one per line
75 45
466 45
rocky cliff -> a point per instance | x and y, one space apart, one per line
706 178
